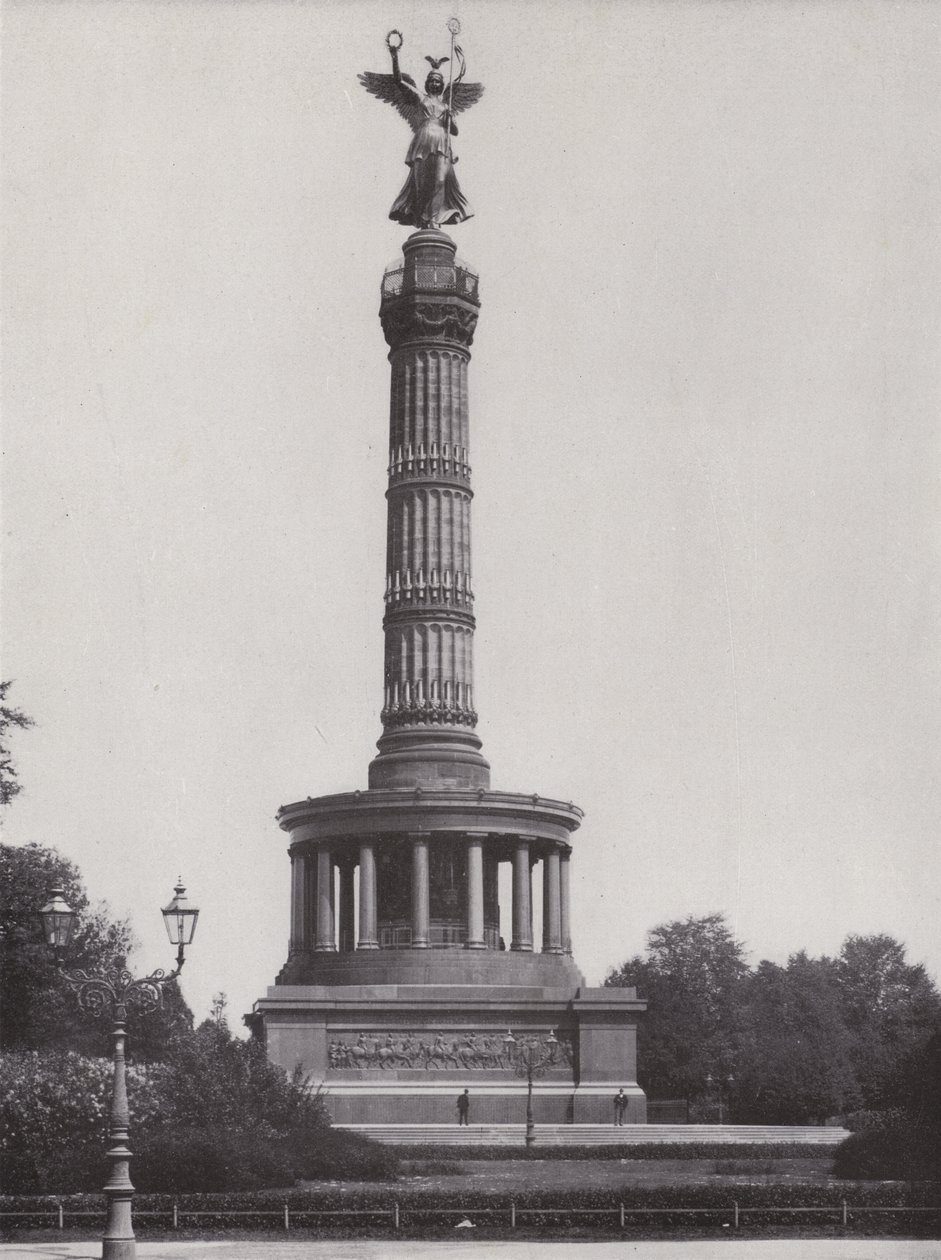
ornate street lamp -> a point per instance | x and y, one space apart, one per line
114 989
530 1058
720 1091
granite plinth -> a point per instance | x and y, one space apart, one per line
399 1053
453 968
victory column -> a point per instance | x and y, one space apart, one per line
399 983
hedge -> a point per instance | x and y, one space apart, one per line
903 1152
640 1150
896 1194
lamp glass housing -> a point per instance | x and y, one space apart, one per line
58 920
180 918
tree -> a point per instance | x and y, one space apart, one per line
692 976
891 1009
815 1038
794 1061
40 1012
9 718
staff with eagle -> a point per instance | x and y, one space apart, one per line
431 196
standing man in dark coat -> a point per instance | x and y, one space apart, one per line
463 1107
620 1106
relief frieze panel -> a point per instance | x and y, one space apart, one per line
437 1052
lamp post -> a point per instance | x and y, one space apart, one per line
530 1058
727 1083
114 990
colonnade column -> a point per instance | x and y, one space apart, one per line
298 873
565 900
324 941
522 898
475 890
368 935
421 892
346 933
309 880
551 904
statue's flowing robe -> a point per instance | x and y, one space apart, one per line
431 195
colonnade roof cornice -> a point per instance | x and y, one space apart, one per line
377 811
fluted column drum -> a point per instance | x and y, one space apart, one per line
429 313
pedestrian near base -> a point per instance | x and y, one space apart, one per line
463 1107
620 1106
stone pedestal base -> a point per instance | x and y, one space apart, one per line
401 1053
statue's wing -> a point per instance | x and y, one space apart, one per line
464 95
403 95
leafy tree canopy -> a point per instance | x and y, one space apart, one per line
891 1007
9 719
795 1057
786 1045
692 977
40 1011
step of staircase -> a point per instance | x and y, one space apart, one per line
594 1134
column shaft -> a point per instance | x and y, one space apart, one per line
309 926
565 900
368 937
522 899
551 904
421 892
346 933
297 904
324 941
475 892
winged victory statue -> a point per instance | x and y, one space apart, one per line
431 195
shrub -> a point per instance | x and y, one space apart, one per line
216 1116
54 1109
332 1153
211 1159
899 1152
857 1121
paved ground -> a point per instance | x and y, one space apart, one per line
387 1249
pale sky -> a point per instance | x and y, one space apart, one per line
704 423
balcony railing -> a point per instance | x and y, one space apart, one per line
454 277
440 936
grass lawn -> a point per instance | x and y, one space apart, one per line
468 1187
496 1176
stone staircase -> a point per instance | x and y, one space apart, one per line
594 1134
